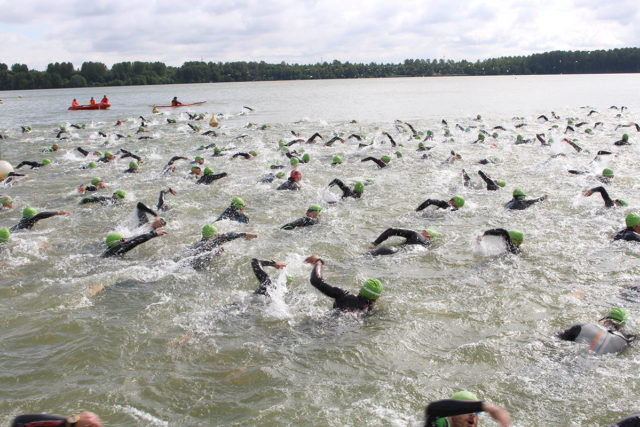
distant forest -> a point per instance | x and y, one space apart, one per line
95 74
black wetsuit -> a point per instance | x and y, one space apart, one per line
632 420
441 204
205 250
411 238
289 184
378 162
90 188
305 221
161 206
141 212
344 300
519 202
245 155
28 223
103 200
234 214
124 247
346 191
312 137
627 234
605 196
501 232
208 179
491 185
601 339
82 151
40 420
263 277
449 408
30 163
126 153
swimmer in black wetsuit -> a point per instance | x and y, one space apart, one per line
126 153
33 165
605 196
106 158
30 216
382 162
133 167
6 202
116 197
344 300
492 184
292 183
12 177
609 337
455 203
411 238
83 419
393 142
235 211
204 251
263 277
96 184
311 218
141 213
312 138
632 420
512 238
118 245
630 233
356 193
518 201
208 176
462 410
162 206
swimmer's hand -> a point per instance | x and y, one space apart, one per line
313 259
63 212
161 232
249 236
279 264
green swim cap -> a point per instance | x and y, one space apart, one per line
316 208
290 278
478 117
4 235
500 182
625 137
430 132
113 239
588 130
519 137
107 154
371 289
618 316
458 201
398 154
46 161
92 164
421 145
95 180
570 121
5 201
253 153
280 174
464 395
385 159
217 150
607 172
133 164
359 187
198 158
281 142
481 136
120 194
632 219
209 231
306 157
518 192
432 233
622 202
336 160
28 212
207 171
237 203
516 237
494 135
194 167
98 153
294 161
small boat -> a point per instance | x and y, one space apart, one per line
98 106
181 105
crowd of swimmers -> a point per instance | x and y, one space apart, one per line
605 336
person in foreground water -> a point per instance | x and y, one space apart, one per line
461 410
602 339
83 419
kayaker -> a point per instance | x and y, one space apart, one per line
74 103
104 100
92 101
175 102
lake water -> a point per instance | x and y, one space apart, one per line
164 344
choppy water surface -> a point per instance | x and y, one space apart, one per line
164 344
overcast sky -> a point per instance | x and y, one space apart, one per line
306 31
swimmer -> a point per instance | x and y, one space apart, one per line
623 141
630 233
292 183
30 216
492 184
602 339
133 167
83 419
518 201
382 162
462 410
33 165
512 238
208 247
606 177
6 202
455 203
312 138
632 420
344 300
310 218
573 144
262 276
96 184
393 142
26 129
251 154
141 213
54 147
411 238
356 193
126 153
13 177
270 177
235 211
169 167
107 157
162 206
332 140
208 176
115 198
118 245
195 172
453 157
605 196
4 238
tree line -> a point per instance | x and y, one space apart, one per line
95 74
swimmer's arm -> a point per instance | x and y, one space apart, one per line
318 282
452 407
570 334
605 196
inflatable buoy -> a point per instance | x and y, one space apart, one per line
155 110
5 168
213 122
